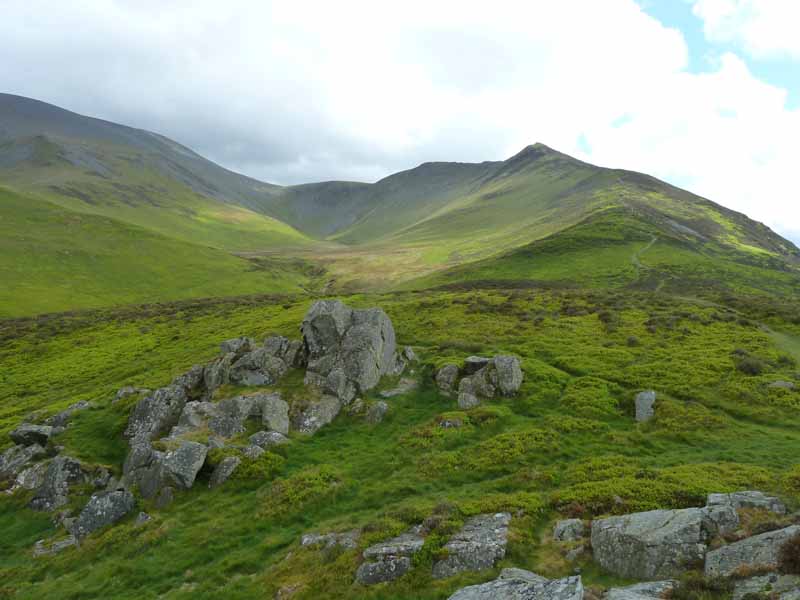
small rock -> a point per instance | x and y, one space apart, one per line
32 477
376 412
782 385
409 354
237 346
450 423
28 434
253 452
347 540
267 439
569 530
446 378
62 473
182 465
42 548
645 406
224 470
317 414
142 518
390 559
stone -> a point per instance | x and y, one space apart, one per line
155 415
409 354
370 573
347 540
267 439
723 519
102 478
507 374
651 590
450 423
28 434
780 586
42 548
782 385
32 477
657 544
759 552
569 530
446 378
517 584
390 559
479 545
258 367
274 412
748 499
102 510
62 419
164 498
182 465
191 382
62 473
217 373
645 406
473 388
317 414
404 386
16 458
376 412
230 415
252 452
224 470
337 384
195 416
237 346
473 364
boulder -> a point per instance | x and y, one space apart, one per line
62 473
103 509
347 540
29 434
62 419
657 544
230 415
651 590
446 378
252 452
390 559
258 367
479 545
507 374
759 552
217 373
42 548
518 584
180 466
645 405
317 414
191 382
748 499
274 412
376 412
16 458
473 364
195 416
474 388
155 415
267 439
781 587
569 530
224 470
237 346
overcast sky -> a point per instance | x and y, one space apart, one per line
702 93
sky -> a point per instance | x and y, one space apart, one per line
704 94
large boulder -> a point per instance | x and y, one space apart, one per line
17 458
748 499
657 544
156 414
479 545
103 509
651 590
518 584
349 350
757 553
390 559
62 473
507 374
29 434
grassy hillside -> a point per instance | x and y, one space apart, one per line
54 259
567 445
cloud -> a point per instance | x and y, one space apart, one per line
763 28
303 91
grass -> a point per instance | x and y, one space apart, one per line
567 445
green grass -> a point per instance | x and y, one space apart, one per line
566 445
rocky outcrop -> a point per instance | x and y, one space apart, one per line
479 545
569 530
224 470
518 584
390 559
62 473
102 510
347 540
29 434
651 590
748 499
151 470
485 378
759 552
645 406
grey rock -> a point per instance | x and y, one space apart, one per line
42 548
507 374
28 434
347 540
224 470
258 367
723 519
645 405
32 477
390 559
479 545
62 473
164 498
103 509
237 346
337 384
446 378
317 414
376 412
405 544
217 373
16 458
651 590
404 386
409 355
62 419
474 388
274 412
195 416
142 518
230 415
252 452
129 390
192 381
783 385
267 439
182 465
324 326
569 530
370 573
451 423
102 478
473 364
276 345
657 544
748 499
753 553
155 415
517 584
782 587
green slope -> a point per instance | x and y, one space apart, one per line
54 259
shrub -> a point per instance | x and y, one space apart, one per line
789 556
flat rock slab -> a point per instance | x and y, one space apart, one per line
479 545
516 584
753 553
651 590
748 499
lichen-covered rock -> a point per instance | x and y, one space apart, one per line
780 587
507 374
195 415
446 378
759 552
347 540
182 464
479 545
230 415
748 499
258 367
274 412
224 470
62 473
518 584
651 590
474 388
103 509
376 412
569 530
31 478
156 414
252 451
657 544
317 414
16 458
217 373
267 439
390 559
191 382
28 434
645 405
370 573
62 419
